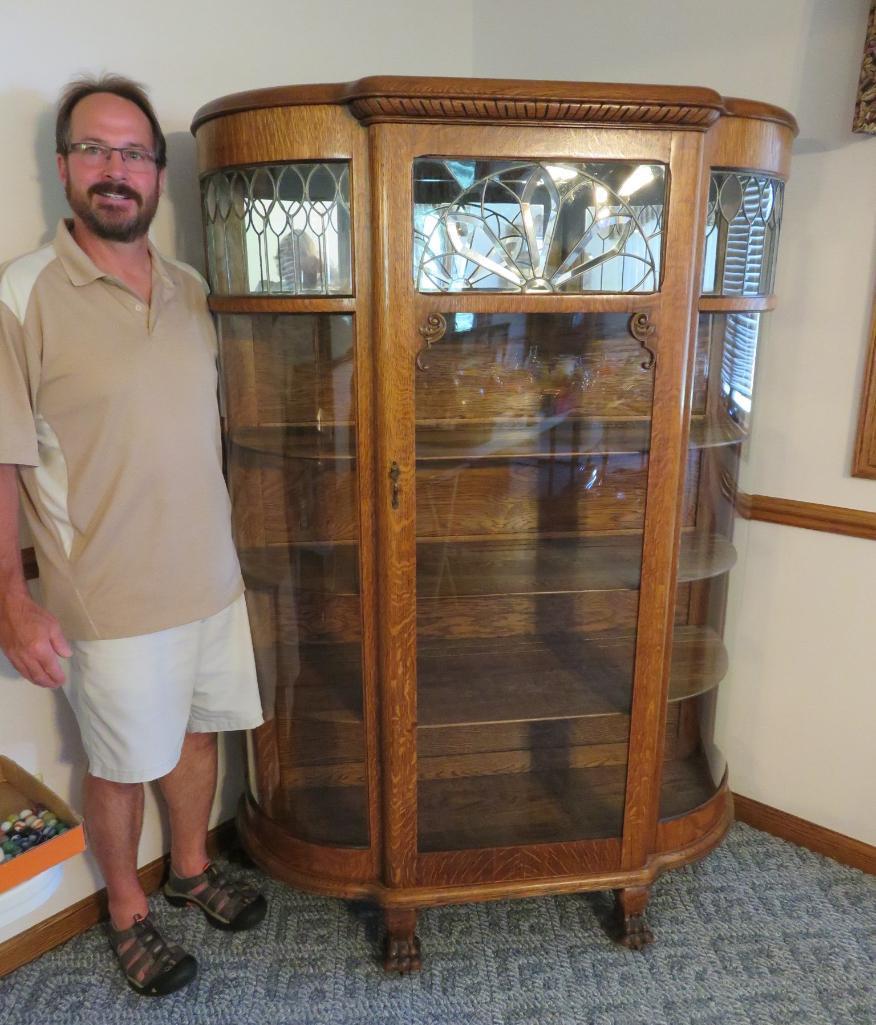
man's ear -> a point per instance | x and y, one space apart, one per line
162 176
61 162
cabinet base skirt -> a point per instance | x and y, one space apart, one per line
355 873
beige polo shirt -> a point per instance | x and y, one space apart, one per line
109 409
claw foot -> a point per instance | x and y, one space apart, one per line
635 933
402 950
402 955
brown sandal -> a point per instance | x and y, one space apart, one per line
227 903
152 966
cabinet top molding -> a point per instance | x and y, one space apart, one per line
399 98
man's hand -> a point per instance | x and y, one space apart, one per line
32 640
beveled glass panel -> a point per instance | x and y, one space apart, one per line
723 386
524 226
532 441
291 456
280 229
742 233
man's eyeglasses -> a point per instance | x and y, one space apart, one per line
95 154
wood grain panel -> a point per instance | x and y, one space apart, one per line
278 136
521 615
751 143
548 861
669 496
396 97
395 352
582 367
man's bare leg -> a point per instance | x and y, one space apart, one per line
188 790
114 820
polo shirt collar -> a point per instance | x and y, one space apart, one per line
82 270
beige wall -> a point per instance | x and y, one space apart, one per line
797 713
798 707
213 49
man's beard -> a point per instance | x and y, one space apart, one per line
113 226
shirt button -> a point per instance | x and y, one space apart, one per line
138 308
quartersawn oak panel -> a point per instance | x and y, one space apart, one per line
559 367
576 495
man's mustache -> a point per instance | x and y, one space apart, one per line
108 188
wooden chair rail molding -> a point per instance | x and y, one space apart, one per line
833 519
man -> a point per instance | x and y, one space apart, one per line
109 427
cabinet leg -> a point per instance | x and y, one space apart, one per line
402 945
633 931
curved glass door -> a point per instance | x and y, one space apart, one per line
532 442
292 474
726 350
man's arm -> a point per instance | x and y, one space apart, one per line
30 636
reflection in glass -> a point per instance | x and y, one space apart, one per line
280 229
723 386
515 226
291 446
532 439
742 233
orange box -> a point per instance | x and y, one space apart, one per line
18 789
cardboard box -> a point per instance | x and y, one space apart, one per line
18 789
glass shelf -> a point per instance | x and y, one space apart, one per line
489 567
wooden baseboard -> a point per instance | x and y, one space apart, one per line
841 848
29 945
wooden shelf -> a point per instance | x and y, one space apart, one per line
449 568
464 683
298 441
556 565
495 810
555 437
560 676
466 440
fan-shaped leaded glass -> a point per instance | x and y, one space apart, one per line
742 233
279 229
519 226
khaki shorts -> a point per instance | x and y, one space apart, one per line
135 698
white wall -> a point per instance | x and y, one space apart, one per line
187 53
797 713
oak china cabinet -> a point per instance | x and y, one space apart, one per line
487 353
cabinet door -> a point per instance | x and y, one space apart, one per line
520 441
279 245
743 220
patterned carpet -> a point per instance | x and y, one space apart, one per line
760 933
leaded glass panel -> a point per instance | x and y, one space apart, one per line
279 229
524 226
742 233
